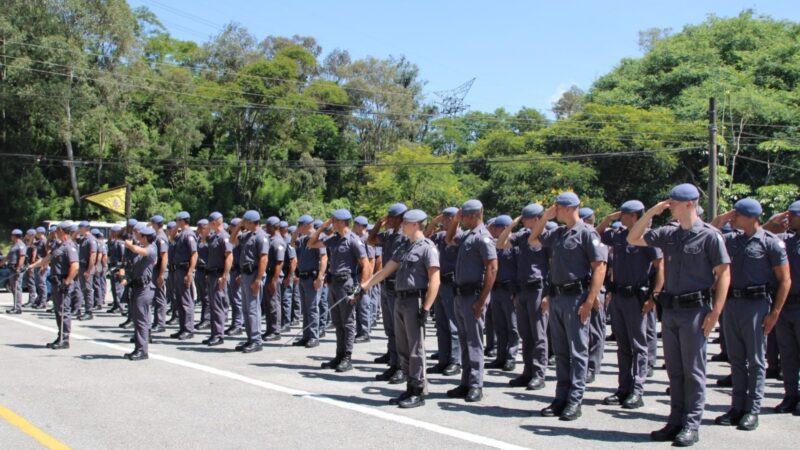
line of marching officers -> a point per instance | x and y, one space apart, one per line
545 287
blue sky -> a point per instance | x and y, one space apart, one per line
523 53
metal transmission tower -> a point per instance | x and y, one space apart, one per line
451 102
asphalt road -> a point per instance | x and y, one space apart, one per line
191 396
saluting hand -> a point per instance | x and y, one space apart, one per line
550 213
613 216
660 207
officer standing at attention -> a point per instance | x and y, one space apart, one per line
533 268
389 240
40 245
504 293
360 224
271 302
287 285
218 268
142 289
116 250
577 271
253 267
100 269
234 290
174 300
200 275
88 259
160 275
597 321
30 258
696 264
348 257
449 349
311 267
759 267
15 260
416 263
476 270
631 302
185 262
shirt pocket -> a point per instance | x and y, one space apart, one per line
755 252
693 249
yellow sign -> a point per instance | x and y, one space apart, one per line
112 199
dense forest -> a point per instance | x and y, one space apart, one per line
94 94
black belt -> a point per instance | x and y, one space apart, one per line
141 282
341 277
447 277
247 268
215 272
467 289
504 285
640 292
533 283
416 293
689 300
307 275
182 266
56 279
793 299
757 292
570 288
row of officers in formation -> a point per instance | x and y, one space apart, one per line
543 281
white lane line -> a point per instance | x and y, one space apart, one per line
458 434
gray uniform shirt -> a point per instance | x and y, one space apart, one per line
219 245
474 247
308 259
631 265
344 252
753 258
185 246
415 259
254 244
533 261
143 265
64 255
573 252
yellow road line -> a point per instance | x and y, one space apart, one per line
29 429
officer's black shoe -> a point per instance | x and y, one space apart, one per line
748 422
438 368
509 366
239 347
633 401
158 330
175 335
725 381
435 356
185 336
60 345
787 405
51 344
458 392
535 384
399 377
332 364
387 374
322 333
172 320
615 399
417 398
234 331
650 372
554 409
732 417
312 343
590 378
202 325
26 304
300 343
401 397
686 438
571 412
215 341
14 311
98 307
520 381
125 325
666 434
474 394
452 369
345 364
251 347
112 310
720 357
50 310
490 353
383 359
496 364
138 355
774 374
269 337
87 316
362 338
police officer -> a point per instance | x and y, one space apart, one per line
185 263
253 267
39 275
696 264
218 268
234 291
364 305
15 261
388 240
577 271
200 275
174 300
100 270
348 257
311 267
759 266
142 289
87 251
287 284
116 250
597 320
533 266
504 293
631 302
416 264
272 300
30 258
449 349
160 275
476 270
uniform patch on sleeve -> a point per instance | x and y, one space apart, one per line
486 239
781 244
596 242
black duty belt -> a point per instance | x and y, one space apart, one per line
689 300
215 272
570 288
467 289
640 292
141 282
171 267
56 279
793 299
415 293
248 268
447 277
182 266
533 283
757 292
341 277
508 285
307 275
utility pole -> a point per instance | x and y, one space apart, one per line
712 159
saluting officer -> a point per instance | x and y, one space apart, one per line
504 294
271 302
577 271
363 322
759 268
234 290
416 266
160 275
142 289
311 267
200 275
116 251
185 262
695 264
87 250
220 259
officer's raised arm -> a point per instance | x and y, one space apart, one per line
636 234
536 231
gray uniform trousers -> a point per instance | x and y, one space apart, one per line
505 323
235 301
160 303
273 306
788 334
15 287
570 340
30 282
62 299
343 314
685 356
470 336
310 298
251 306
410 338
41 285
202 294
597 337
218 305
363 314
85 292
142 300
746 351
99 280
533 331
652 338
287 298
446 331
630 329
387 307
183 295
117 289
